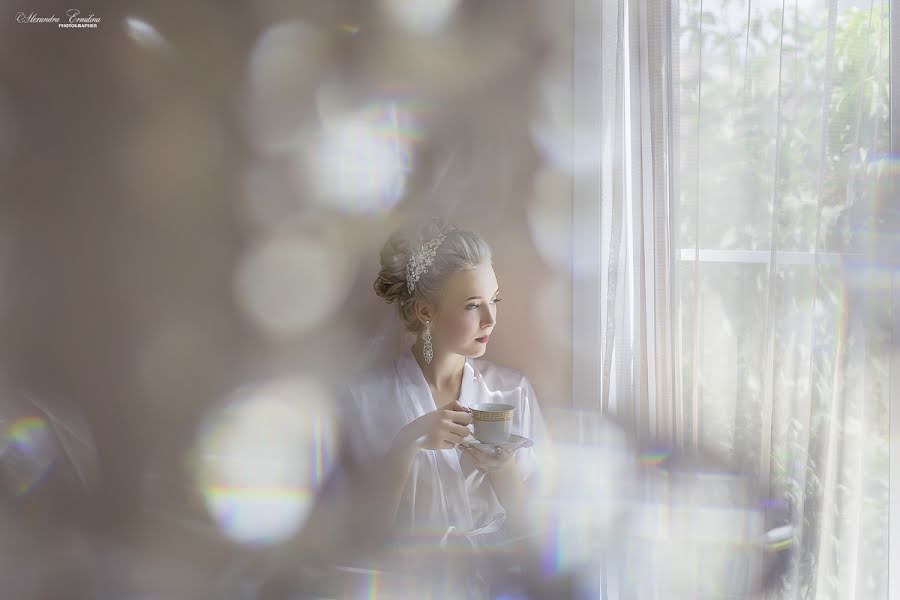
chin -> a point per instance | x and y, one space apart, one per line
475 350
478 352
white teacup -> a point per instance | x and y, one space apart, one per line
492 422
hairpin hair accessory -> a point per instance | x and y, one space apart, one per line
421 261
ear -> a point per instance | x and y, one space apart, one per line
424 311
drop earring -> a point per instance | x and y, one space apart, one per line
427 349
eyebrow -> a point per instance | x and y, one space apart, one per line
478 297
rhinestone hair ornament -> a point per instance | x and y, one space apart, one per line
421 261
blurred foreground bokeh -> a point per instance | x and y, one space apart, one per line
195 196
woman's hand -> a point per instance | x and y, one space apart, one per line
491 462
440 429
505 478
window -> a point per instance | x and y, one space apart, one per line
783 160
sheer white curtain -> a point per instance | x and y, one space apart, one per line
624 252
742 299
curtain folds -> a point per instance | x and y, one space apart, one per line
741 305
628 271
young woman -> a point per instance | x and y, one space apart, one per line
409 417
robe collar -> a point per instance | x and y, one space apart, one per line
456 507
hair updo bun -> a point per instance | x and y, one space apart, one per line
461 249
391 281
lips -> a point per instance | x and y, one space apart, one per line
483 340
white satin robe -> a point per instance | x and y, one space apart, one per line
444 491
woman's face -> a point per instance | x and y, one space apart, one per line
467 312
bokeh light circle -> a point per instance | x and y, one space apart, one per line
420 16
260 460
587 483
360 162
28 453
290 283
284 66
145 35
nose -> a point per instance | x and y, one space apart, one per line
489 318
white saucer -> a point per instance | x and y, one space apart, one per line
514 443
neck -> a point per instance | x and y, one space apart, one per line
444 372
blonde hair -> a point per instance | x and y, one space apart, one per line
461 249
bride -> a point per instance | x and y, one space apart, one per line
406 419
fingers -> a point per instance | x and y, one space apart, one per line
453 438
486 462
457 407
459 414
460 418
460 430
497 452
498 457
